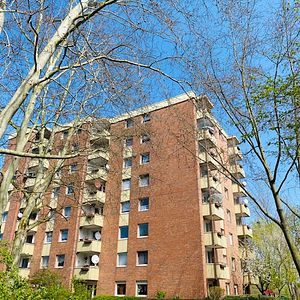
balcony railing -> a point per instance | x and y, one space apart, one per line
215 240
216 213
89 246
217 271
237 171
91 220
87 272
206 137
244 231
238 191
94 196
242 210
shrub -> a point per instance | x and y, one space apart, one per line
215 293
160 295
103 297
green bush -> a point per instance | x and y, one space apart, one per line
103 297
160 295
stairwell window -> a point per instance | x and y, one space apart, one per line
129 141
24 263
144 180
67 212
125 207
122 259
45 262
126 184
209 256
127 162
4 216
48 237
123 232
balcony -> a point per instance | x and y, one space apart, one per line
87 273
215 240
209 182
92 220
30 182
244 231
238 191
93 173
242 210
237 171
27 249
89 245
98 153
216 213
94 196
206 137
235 153
217 271
34 163
210 161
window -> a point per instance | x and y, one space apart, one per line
129 141
209 256
230 238
227 288
128 162
129 123
228 215
48 237
73 168
24 262
45 261
64 235
1 236
207 226
235 289
67 212
126 183
145 138
145 158
233 266
122 259
123 232
60 260
144 204
120 288
65 134
55 192
70 189
142 258
143 230
33 215
75 147
4 216
146 118
141 288
144 180
29 239
125 207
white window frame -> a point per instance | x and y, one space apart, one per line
144 180
126 188
121 207
70 186
118 259
146 154
137 258
42 262
64 212
141 206
129 123
56 261
139 233
127 159
142 282
73 168
126 140
146 118
61 233
116 291
145 138
45 241
21 260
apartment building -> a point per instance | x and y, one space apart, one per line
155 206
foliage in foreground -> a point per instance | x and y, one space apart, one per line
44 285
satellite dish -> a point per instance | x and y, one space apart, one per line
107 167
244 183
20 215
95 259
98 236
246 201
